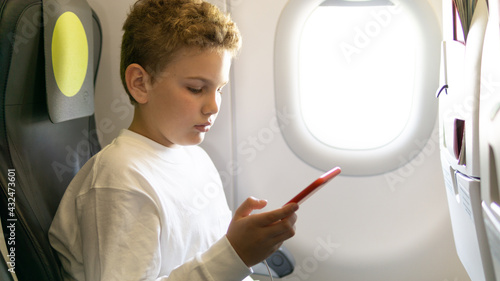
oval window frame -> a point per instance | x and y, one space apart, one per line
365 162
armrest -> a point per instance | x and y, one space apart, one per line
281 263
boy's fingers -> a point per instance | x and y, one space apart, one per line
279 232
283 236
278 214
283 226
248 206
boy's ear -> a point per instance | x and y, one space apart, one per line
137 82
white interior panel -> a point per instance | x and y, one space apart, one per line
489 133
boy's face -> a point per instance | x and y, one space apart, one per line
184 100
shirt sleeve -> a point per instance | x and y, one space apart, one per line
120 232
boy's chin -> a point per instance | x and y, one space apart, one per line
194 141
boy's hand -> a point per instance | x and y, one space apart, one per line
255 237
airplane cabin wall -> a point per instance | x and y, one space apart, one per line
393 226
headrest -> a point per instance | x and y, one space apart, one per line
68 50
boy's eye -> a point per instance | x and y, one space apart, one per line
195 90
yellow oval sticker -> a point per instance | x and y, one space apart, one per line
70 53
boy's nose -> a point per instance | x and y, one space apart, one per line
212 103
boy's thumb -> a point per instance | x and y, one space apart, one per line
250 204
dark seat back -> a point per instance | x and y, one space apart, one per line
38 154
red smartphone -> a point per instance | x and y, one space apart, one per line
315 186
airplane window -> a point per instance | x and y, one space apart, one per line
360 78
359 73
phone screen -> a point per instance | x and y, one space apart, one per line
315 186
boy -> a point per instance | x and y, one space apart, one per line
129 214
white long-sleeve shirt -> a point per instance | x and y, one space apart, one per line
141 211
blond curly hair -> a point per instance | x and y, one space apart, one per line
155 30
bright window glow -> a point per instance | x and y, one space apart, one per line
357 74
362 75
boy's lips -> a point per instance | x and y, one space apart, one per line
205 127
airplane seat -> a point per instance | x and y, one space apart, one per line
459 133
49 57
489 133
